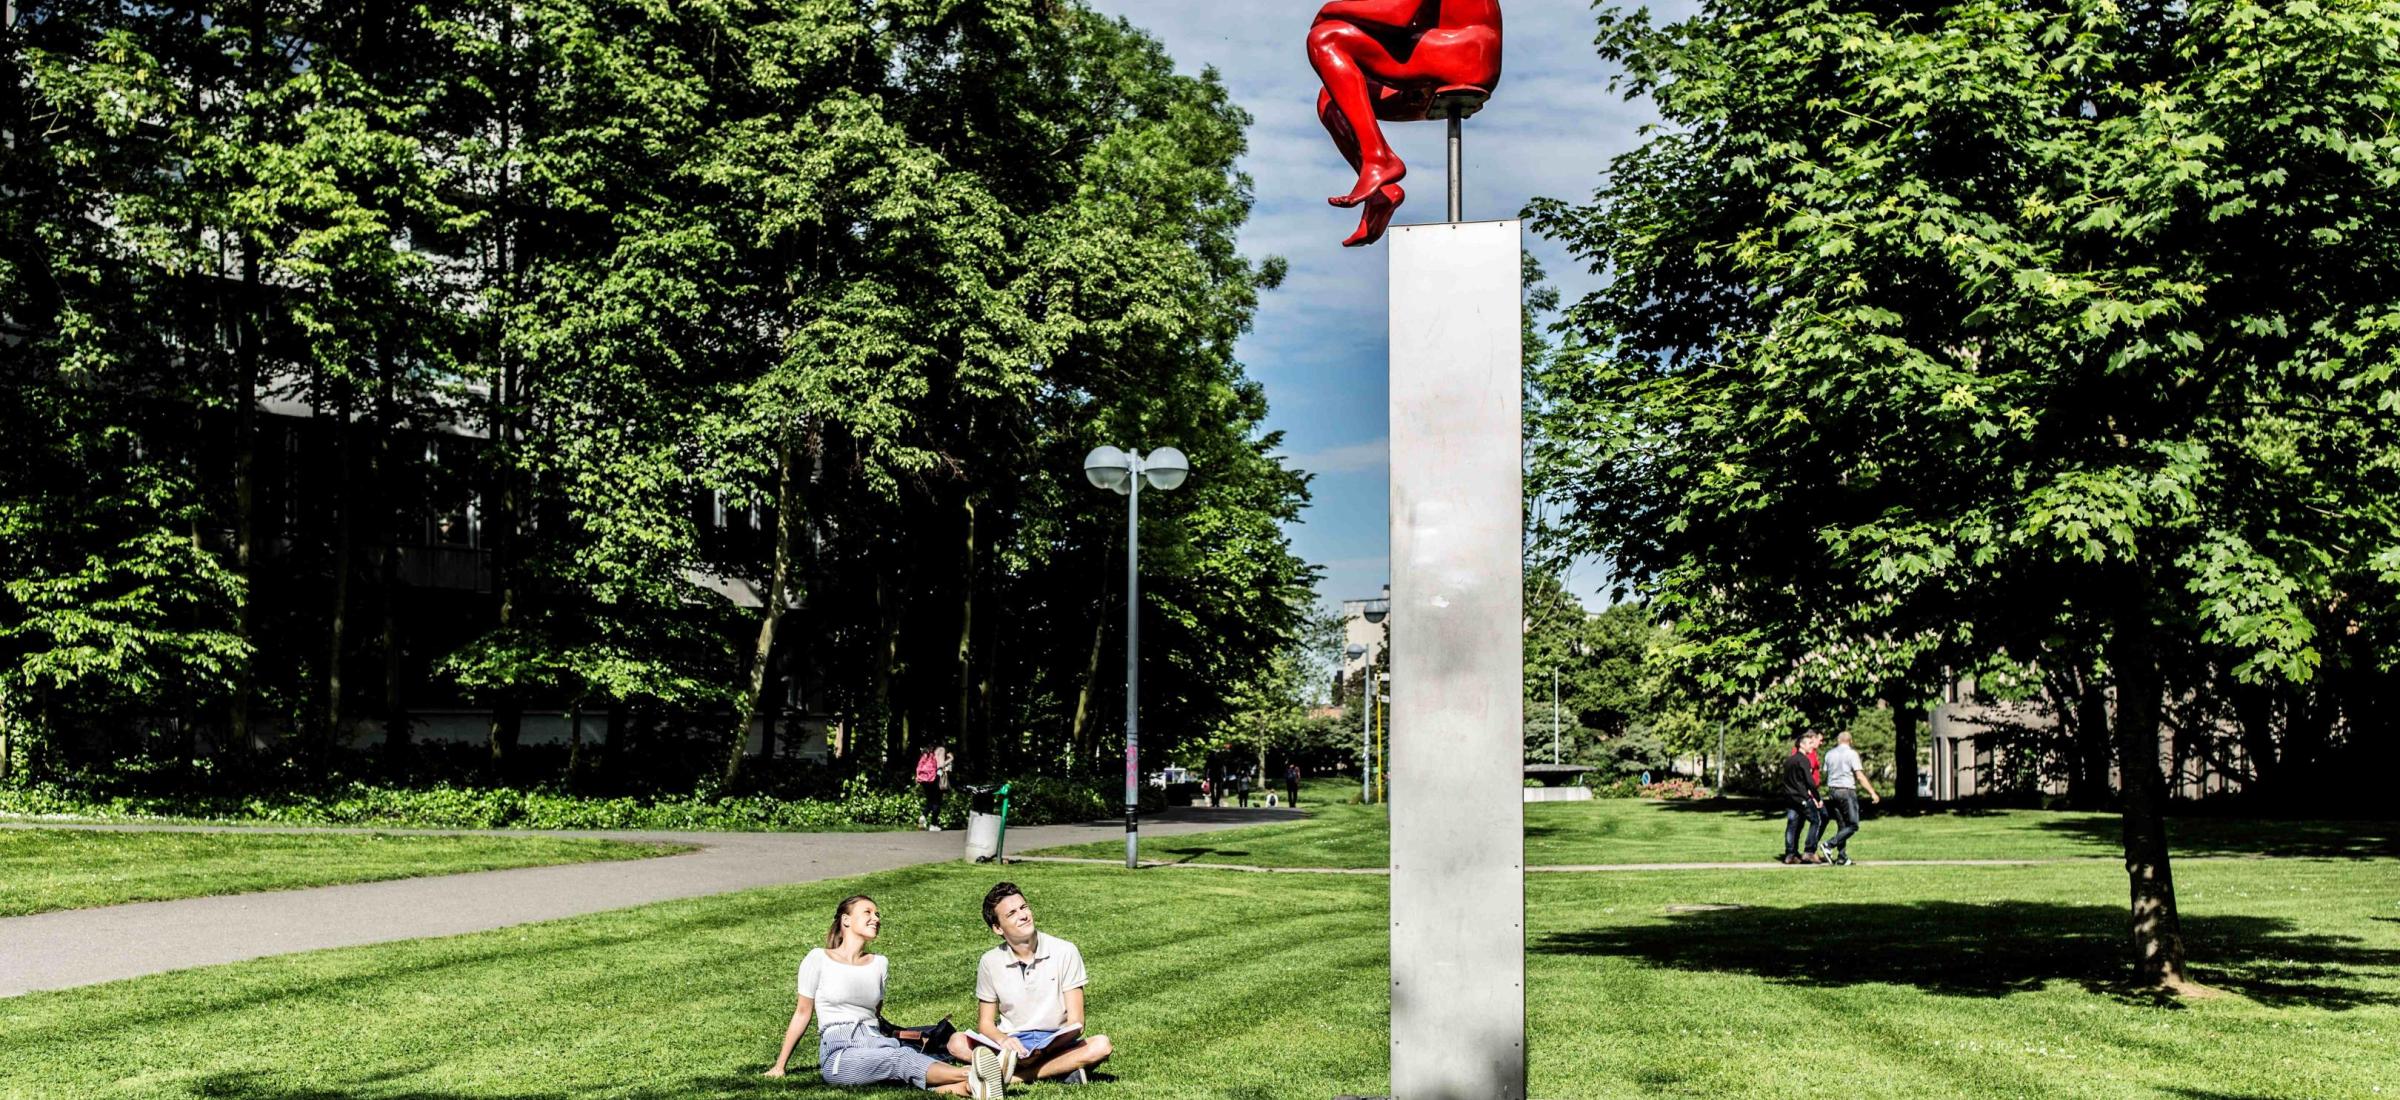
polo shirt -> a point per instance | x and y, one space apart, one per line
1842 766
1032 995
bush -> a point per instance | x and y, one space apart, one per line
1674 788
1037 801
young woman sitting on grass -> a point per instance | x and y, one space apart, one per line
842 984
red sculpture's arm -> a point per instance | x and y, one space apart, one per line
1397 14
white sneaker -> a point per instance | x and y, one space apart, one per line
986 1081
1008 1064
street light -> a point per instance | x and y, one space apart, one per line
1124 472
1374 612
1357 652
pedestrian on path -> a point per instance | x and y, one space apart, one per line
1291 784
842 984
1845 775
1800 776
933 784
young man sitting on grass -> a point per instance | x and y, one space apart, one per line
1029 998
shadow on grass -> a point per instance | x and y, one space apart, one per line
1762 808
251 1085
2210 836
802 1082
1964 949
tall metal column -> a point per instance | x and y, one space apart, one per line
1456 778
1133 668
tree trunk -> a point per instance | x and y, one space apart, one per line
1083 736
878 719
973 752
778 597
2140 728
2254 712
8 721
1905 717
2092 747
574 743
245 492
345 552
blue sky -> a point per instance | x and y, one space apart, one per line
1319 343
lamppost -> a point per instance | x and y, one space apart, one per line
1357 652
1124 472
1554 715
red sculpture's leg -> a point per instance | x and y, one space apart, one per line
1378 215
1344 138
1344 56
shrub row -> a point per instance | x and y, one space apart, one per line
861 805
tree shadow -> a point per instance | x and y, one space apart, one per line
2214 836
1765 808
1966 949
1193 853
801 1084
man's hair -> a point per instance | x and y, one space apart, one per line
992 899
1801 736
1843 737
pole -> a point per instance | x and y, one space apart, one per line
1554 714
1720 760
1457 176
1133 668
1366 726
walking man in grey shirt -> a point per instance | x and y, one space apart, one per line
1844 777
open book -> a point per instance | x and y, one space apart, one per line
1064 1033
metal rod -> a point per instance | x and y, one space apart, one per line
1133 667
1554 714
1458 203
1366 739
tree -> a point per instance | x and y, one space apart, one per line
1948 335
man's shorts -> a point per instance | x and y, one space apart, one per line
1035 1040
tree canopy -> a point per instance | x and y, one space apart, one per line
1982 334
686 364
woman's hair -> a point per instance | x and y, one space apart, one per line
833 936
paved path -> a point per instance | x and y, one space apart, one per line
83 946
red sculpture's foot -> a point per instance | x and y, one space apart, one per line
1380 206
1373 177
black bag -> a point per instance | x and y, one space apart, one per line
932 1039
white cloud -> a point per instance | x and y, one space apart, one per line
1374 454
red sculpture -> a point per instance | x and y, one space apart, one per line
1397 61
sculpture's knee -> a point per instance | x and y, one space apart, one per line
1333 35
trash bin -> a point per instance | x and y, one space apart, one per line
987 822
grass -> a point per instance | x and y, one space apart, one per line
1606 831
1866 982
49 869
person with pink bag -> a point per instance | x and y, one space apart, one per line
933 783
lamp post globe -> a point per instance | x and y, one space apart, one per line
1108 468
1165 468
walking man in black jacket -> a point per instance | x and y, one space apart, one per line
1800 774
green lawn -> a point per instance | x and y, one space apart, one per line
1641 831
46 869
1855 982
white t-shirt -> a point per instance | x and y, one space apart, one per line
1842 767
844 993
1032 996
